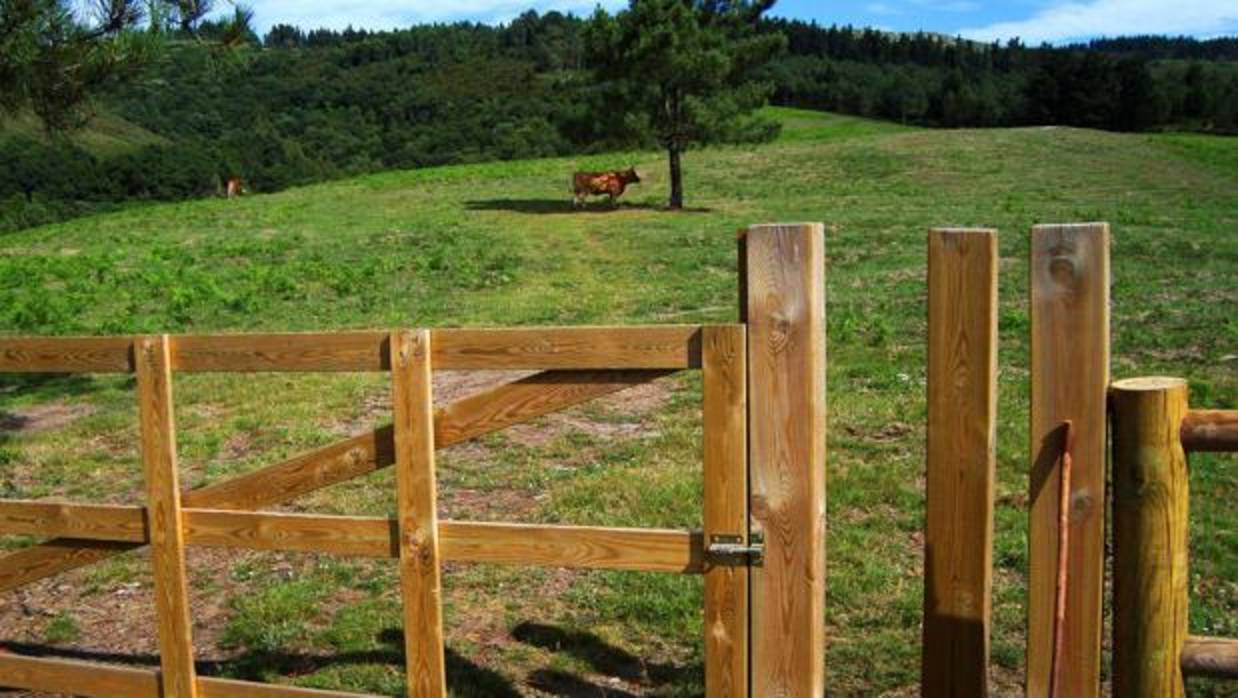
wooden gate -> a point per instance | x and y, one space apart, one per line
774 647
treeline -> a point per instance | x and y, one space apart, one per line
1133 84
298 106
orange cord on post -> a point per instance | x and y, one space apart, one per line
1063 558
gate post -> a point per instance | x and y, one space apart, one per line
782 270
1150 586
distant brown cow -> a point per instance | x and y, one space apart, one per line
236 187
612 184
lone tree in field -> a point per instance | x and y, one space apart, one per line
680 72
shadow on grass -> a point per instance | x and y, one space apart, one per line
46 386
602 657
564 206
464 678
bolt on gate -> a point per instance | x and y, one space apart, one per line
761 549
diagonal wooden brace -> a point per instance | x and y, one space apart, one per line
486 412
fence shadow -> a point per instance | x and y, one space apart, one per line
465 678
602 657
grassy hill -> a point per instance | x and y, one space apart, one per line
105 135
498 244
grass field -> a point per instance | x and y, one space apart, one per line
498 244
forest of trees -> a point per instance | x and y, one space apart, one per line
298 106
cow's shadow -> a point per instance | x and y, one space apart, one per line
564 206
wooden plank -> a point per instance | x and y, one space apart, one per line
356 536
1070 377
1213 657
66 354
1210 430
666 347
97 680
786 398
961 461
725 422
471 417
1150 547
581 348
167 537
76 678
229 688
417 509
63 519
590 547
527 398
308 351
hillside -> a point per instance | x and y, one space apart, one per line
499 244
105 135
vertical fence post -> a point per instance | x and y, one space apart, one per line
1150 503
163 516
725 407
785 282
1070 379
417 500
962 435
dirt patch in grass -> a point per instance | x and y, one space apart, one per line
53 415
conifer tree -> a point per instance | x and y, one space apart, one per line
680 72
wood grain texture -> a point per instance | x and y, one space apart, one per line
66 354
787 412
96 680
308 351
632 347
665 347
588 547
1070 377
1215 657
76 678
417 507
961 461
229 688
725 416
354 536
62 519
1210 430
473 416
524 399
1150 547
163 506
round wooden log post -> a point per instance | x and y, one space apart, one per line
1149 537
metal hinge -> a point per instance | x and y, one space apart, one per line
730 551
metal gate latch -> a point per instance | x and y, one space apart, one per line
730 551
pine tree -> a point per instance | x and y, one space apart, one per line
681 72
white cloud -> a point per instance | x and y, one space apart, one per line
392 14
1066 21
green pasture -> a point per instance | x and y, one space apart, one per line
499 244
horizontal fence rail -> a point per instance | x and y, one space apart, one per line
595 547
670 347
576 365
1210 430
96 680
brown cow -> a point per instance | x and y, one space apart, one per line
236 187
611 183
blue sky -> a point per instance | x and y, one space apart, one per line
1033 21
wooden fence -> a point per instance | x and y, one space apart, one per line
1153 432
777 356
762 547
